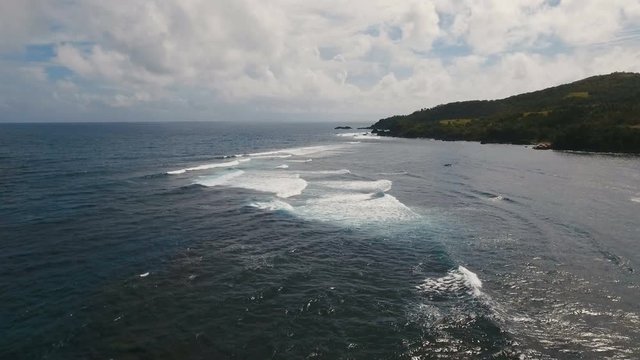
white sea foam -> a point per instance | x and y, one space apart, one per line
636 199
301 161
313 150
363 136
274 156
273 205
471 279
350 202
283 166
282 184
345 207
327 172
265 153
208 166
496 198
351 134
298 151
219 180
360 186
356 208
460 280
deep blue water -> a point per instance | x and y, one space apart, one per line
285 241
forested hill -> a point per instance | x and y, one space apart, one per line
600 113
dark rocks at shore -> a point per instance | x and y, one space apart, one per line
543 146
343 128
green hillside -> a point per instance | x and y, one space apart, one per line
600 113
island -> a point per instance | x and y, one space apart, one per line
597 114
342 128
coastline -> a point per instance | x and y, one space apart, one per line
527 145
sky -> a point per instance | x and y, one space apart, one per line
296 60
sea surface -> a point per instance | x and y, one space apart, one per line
297 241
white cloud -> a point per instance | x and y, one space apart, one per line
372 58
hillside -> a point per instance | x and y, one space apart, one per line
600 113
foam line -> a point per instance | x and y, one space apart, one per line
207 167
328 172
219 180
299 151
282 184
360 186
458 281
273 156
273 205
356 208
351 134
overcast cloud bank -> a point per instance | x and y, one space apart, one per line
249 60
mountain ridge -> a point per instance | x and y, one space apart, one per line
600 113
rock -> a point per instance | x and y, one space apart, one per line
343 128
542 146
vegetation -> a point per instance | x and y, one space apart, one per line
600 113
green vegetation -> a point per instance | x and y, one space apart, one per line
600 113
578 94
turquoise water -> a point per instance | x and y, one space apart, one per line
196 240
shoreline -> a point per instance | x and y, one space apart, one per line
530 146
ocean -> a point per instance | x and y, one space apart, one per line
298 241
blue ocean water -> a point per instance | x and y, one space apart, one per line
289 241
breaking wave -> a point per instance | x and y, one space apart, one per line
284 185
208 166
359 186
456 283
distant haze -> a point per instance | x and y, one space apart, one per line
250 60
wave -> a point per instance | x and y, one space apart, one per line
311 150
211 181
354 202
360 186
457 282
328 172
297 151
284 185
356 209
363 135
347 202
274 156
264 153
273 205
636 199
208 166
301 161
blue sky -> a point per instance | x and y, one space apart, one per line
67 60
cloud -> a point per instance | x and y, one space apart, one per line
357 59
